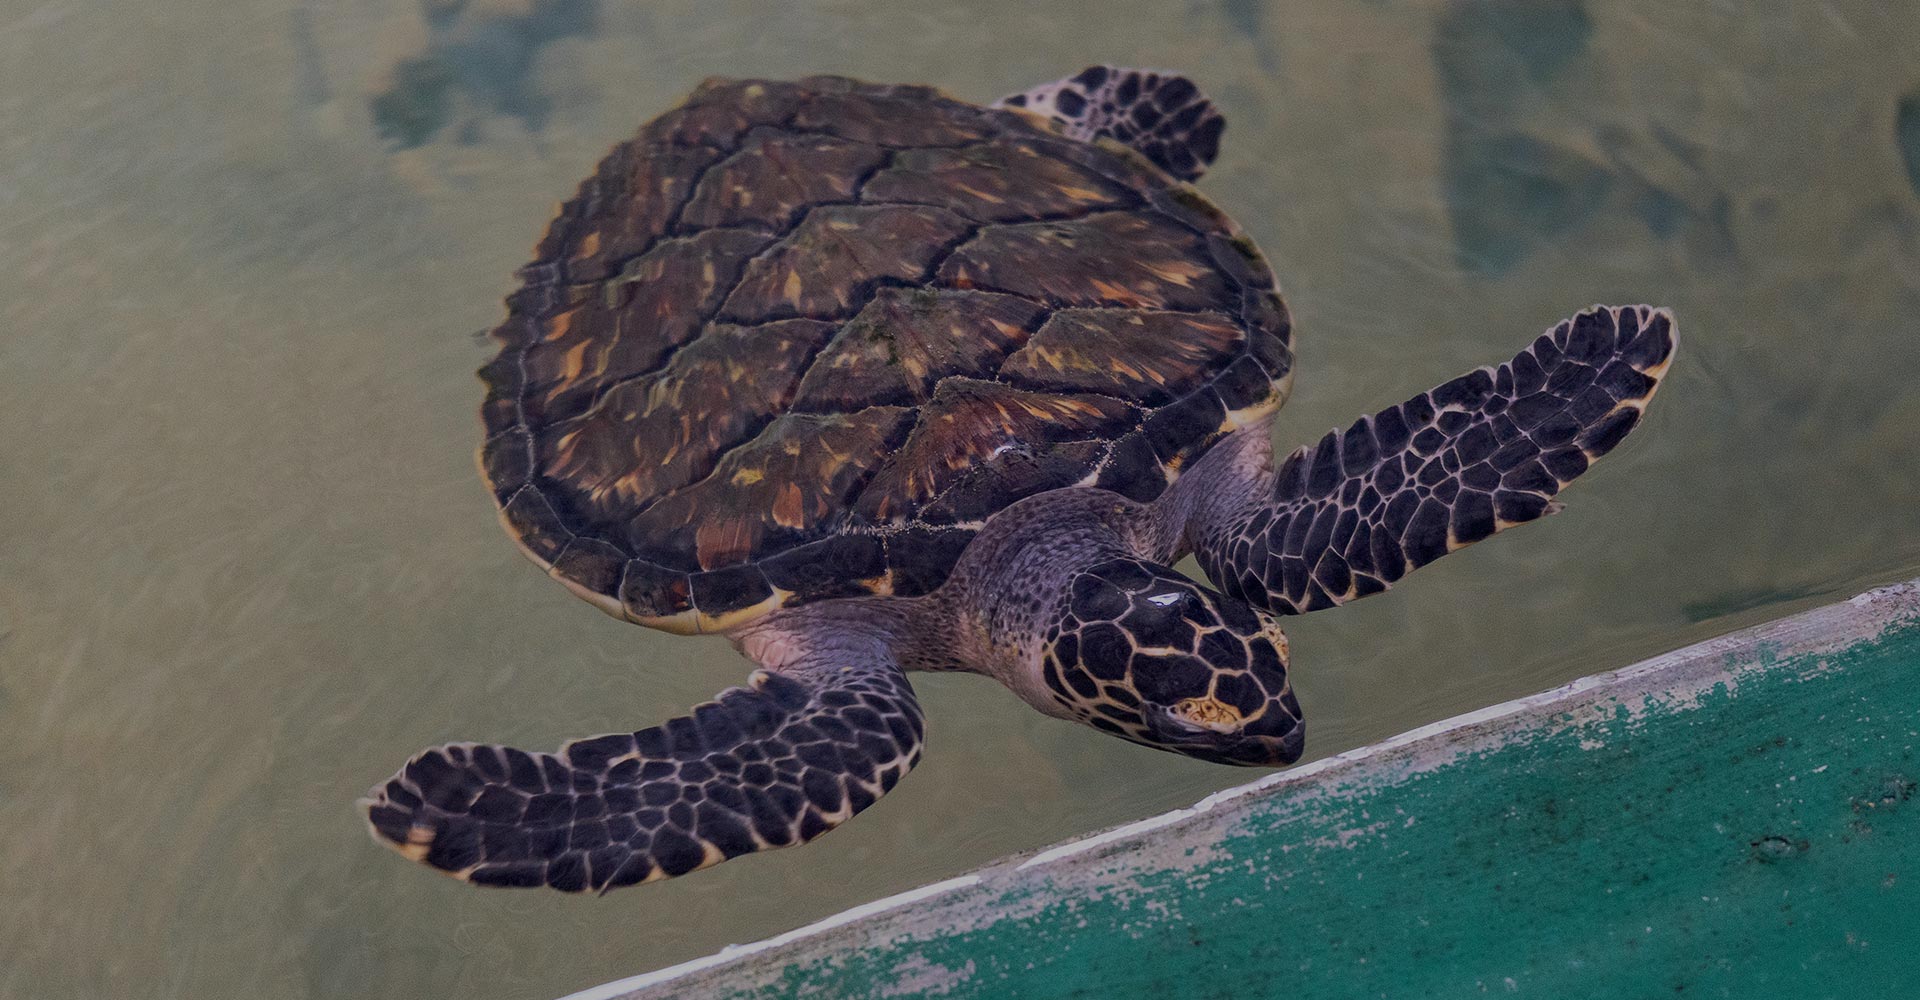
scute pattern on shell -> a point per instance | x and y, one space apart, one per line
795 341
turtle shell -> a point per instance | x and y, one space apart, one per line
797 341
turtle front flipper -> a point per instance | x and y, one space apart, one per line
778 762
1486 451
1163 116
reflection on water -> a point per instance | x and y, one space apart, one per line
478 61
248 567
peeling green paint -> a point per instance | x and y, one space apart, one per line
1736 819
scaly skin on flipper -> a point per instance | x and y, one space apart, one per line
1163 115
1486 451
779 762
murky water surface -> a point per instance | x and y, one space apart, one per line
246 567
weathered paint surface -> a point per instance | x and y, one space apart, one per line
1736 819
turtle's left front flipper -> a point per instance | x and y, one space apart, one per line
781 761
1485 451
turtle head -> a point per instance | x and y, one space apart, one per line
1144 653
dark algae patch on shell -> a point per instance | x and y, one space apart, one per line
797 341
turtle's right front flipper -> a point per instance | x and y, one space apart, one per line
779 762
1162 115
1484 452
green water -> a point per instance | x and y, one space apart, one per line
246 567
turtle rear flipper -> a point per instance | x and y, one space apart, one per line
1486 451
1164 116
779 762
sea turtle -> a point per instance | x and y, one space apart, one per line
872 380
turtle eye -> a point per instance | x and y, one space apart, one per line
1168 599
1166 719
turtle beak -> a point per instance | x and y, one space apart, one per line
1257 751
1201 730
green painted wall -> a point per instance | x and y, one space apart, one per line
1740 820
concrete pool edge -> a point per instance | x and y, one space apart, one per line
1673 682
